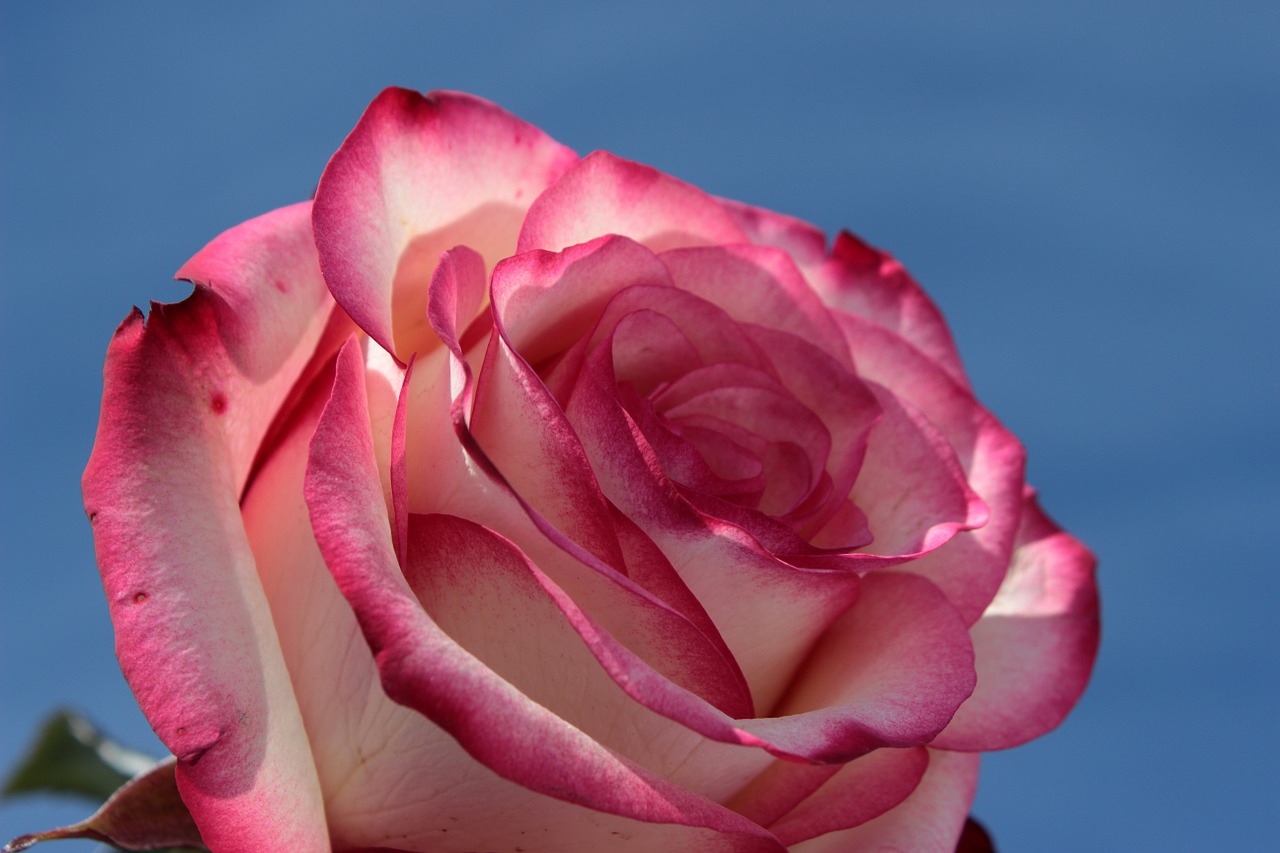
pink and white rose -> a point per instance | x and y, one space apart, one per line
502 499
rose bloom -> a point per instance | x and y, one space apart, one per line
504 500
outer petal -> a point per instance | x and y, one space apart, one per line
865 281
423 668
805 243
347 717
604 194
419 175
970 567
929 821
1035 643
270 312
188 397
858 278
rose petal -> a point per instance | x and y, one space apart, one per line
604 194
650 350
730 561
437 475
574 518
856 793
423 668
910 629
496 604
971 565
872 284
928 821
796 442
911 485
767 611
1035 643
267 310
419 175
890 672
652 611
846 406
762 286
399 467
390 776
542 460
332 671
745 590
188 397
805 243
547 302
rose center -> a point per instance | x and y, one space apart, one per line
726 429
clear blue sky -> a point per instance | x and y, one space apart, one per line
1090 190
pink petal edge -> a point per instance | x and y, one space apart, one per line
175 446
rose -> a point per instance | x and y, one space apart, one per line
504 500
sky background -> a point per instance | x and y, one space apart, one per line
1091 192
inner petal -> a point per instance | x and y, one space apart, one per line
722 454
488 230
788 478
686 452
712 332
772 416
714 376
650 349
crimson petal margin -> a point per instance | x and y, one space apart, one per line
188 396
422 668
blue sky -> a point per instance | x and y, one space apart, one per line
1090 191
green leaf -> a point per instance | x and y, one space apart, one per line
71 756
147 813
142 809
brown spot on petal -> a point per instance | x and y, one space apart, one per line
139 598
